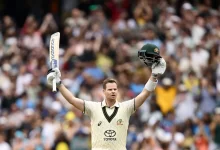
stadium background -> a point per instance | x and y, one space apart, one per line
100 39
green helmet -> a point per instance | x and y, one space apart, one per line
149 54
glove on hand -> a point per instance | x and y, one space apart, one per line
53 73
158 68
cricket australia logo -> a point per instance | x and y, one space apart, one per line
156 50
119 122
110 134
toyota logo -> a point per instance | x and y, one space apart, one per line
109 133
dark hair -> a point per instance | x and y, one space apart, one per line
109 80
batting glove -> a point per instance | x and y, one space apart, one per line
158 68
53 73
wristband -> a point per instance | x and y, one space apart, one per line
150 85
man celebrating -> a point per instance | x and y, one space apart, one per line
110 118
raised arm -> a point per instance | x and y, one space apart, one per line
149 87
78 103
55 73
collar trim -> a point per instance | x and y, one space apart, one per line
109 118
103 104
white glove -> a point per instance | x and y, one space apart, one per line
53 73
159 68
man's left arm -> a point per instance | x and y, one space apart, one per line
157 69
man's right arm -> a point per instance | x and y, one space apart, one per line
78 103
55 73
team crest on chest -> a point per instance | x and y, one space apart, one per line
119 122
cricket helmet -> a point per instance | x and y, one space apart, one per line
149 54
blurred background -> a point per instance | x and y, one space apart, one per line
100 39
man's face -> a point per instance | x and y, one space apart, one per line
111 91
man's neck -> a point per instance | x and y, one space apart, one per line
109 103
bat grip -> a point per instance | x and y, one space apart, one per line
54 85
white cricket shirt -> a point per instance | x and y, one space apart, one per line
109 125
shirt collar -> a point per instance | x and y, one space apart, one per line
103 104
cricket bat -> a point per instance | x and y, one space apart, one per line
54 54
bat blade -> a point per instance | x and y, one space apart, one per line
54 54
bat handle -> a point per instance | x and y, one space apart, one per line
54 85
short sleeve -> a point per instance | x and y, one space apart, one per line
89 107
129 106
